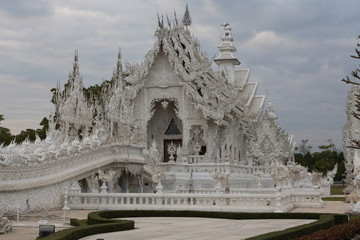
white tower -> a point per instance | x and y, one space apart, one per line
226 59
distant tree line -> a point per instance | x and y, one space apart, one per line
322 161
6 137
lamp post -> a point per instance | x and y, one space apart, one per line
65 208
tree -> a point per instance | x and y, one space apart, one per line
5 134
355 143
303 148
322 161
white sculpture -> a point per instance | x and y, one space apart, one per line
5 224
258 176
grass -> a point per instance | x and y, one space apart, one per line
353 218
336 190
340 199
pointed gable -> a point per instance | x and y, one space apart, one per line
161 74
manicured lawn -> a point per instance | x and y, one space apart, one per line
336 190
353 218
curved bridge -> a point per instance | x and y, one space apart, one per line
72 167
41 186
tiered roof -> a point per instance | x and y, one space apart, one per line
210 90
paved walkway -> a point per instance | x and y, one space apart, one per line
28 228
161 228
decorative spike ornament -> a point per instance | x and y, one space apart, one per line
186 19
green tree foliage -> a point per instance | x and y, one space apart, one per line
322 161
6 137
5 134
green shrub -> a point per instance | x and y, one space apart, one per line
344 231
87 230
78 223
325 221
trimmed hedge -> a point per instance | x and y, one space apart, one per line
84 230
101 216
325 221
103 221
78 223
346 231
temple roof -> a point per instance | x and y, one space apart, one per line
213 95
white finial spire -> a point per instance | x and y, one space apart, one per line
270 109
119 64
76 56
186 19
226 59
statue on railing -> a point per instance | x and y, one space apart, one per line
258 176
157 177
106 177
296 172
221 179
278 172
5 224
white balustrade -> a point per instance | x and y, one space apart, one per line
196 164
177 201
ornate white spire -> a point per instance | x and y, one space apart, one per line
270 109
186 19
226 59
75 110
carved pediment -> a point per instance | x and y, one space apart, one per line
161 74
268 142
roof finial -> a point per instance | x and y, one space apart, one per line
76 57
119 53
168 21
119 64
186 19
159 22
270 109
176 21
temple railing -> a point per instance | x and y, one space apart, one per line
247 200
306 199
212 167
232 191
174 201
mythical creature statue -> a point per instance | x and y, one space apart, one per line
5 224
106 176
258 176
278 171
296 172
220 178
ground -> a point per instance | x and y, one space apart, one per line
28 226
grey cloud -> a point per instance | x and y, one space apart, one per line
301 65
25 8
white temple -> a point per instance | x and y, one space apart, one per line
171 125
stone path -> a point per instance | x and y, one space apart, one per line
28 228
161 228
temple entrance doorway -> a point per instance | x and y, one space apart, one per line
165 128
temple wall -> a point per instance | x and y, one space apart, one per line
33 200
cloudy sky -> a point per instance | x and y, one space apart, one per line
299 50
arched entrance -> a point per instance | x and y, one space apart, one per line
165 128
